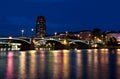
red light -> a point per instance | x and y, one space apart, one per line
40 19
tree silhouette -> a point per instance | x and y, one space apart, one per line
112 41
96 32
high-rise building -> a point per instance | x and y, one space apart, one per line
40 27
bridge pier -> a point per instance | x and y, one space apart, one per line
26 46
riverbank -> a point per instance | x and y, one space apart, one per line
108 47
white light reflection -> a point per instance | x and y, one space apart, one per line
42 64
79 65
32 51
57 66
90 56
56 51
104 55
102 50
106 50
104 60
118 51
95 50
95 55
90 63
89 50
78 51
22 66
57 55
42 56
95 63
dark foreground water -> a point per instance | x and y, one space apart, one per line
61 64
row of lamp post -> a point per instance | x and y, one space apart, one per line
22 31
66 34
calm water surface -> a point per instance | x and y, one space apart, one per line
61 64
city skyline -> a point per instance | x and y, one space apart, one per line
61 15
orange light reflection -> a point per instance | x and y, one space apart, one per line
66 68
22 66
32 58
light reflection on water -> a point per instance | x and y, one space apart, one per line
9 68
61 64
22 66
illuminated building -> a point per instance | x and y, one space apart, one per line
40 27
114 34
85 35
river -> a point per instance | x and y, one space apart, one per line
60 64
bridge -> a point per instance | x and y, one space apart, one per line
16 42
61 43
30 43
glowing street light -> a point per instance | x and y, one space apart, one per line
66 33
55 34
10 37
32 31
22 31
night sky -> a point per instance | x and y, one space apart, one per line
61 15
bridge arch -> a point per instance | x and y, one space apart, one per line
18 40
78 41
53 43
25 45
79 44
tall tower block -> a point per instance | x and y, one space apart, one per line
40 27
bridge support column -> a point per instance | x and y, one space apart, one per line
32 46
28 46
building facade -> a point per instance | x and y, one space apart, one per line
116 35
85 35
40 27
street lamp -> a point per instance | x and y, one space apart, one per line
32 31
78 36
22 31
66 33
55 34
